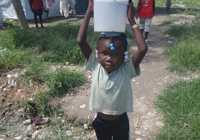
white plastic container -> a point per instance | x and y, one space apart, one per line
110 15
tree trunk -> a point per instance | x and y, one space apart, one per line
20 13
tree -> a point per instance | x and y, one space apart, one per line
20 13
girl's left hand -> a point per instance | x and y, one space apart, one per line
90 9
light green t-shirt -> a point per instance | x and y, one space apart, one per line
111 93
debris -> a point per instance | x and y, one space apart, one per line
39 120
35 134
85 126
18 138
28 131
82 106
69 133
138 132
27 122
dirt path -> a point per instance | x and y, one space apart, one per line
145 121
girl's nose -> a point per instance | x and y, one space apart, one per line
108 58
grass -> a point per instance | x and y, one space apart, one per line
11 58
58 131
62 81
54 44
185 55
181 109
59 84
37 71
179 103
37 50
188 3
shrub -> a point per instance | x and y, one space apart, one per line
10 58
62 81
37 71
185 55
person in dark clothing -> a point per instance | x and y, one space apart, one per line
37 8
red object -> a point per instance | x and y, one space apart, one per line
36 5
146 8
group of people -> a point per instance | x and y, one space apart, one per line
38 7
113 66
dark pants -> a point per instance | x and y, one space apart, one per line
116 129
38 13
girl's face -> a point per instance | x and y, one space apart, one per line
109 59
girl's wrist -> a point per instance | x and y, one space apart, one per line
90 13
132 22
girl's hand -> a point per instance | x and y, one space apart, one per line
90 9
131 13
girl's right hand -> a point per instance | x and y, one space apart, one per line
131 13
90 9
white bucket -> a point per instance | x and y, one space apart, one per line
110 15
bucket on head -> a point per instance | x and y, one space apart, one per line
110 15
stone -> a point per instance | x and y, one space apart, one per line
35 134
170 42
28 131
62 121
18 138
69 133
76 138
85 126
159 124
82 106
27 122
138 132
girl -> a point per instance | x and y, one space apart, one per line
112 70
145 12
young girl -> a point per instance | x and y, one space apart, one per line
37 8
112 70
145 12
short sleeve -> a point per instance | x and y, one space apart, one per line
91 62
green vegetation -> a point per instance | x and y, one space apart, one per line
37 51
185 55
181 109
58 130
62 81
59 84
37 71
54 44
10 58
179 103
188 3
